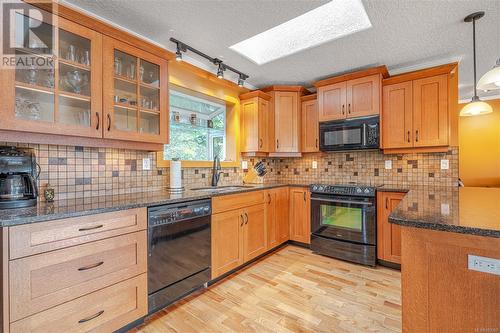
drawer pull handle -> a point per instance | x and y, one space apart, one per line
98 122
91 228
97 264
84 320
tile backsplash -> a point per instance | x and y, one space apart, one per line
79 172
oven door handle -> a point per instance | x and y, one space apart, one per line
344 201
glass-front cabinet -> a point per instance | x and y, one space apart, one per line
58 91
135 92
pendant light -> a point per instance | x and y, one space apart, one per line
490 80
476 107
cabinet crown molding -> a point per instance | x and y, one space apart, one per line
382 70
255 93
450 68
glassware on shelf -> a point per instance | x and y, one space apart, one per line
131 71
50 78
85 58
75 80
32 75
118 66
71 55
141 73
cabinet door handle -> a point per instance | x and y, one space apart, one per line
386 203
109 122
317 143
277 144
304 196
97 264
349 108
84 320
246 217
97 117
260 143
242 220
416 136
343 109
269 196
409 136
91 228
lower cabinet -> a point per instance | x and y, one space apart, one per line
300 214
388 234
238 236
277 216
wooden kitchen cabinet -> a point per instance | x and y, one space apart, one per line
285 106
351 95
256 122
64 97
419 111
310 124
277 216
388 234
135 93
238 236
300 215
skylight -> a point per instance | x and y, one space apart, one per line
335 19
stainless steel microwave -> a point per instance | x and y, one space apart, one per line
350 134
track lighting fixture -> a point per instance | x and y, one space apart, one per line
221 67
220 70
241 81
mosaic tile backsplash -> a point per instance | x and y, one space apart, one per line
79 172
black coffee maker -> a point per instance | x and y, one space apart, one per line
18 174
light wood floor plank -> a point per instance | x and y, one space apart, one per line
290 291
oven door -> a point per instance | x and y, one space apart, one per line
344 218
341 136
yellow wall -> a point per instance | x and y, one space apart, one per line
184 75
479 141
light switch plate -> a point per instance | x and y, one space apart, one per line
445 164
244 165
146 163
314 164
483 264
445 209
388 164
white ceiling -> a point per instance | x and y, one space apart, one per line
406 34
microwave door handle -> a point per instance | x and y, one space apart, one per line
344 201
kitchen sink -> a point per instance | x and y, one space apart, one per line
220 188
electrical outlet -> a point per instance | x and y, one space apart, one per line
244 165
146 163
445 164
445 209
483 264
315 165
388 164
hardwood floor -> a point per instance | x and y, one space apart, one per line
291 290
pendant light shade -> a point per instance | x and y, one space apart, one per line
476 107
490 80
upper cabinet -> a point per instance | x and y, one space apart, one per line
419 110
351 95
88 85
135 93
256 122
285 106
62 94
309 124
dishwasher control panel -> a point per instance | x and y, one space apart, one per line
178 212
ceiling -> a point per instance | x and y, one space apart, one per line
406 35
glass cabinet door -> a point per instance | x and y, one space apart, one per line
135 94
57 92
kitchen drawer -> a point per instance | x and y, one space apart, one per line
49 279
104 311
41 237
225 203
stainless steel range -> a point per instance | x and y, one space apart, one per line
344 222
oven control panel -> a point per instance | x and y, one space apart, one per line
354 190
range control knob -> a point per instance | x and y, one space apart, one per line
358 190
367 190
314 188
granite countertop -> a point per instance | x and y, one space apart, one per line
467 210
94 205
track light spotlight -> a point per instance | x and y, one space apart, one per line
241 80
178 54
220 71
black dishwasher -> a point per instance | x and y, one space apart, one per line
178 251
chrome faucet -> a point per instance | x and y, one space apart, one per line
216 171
